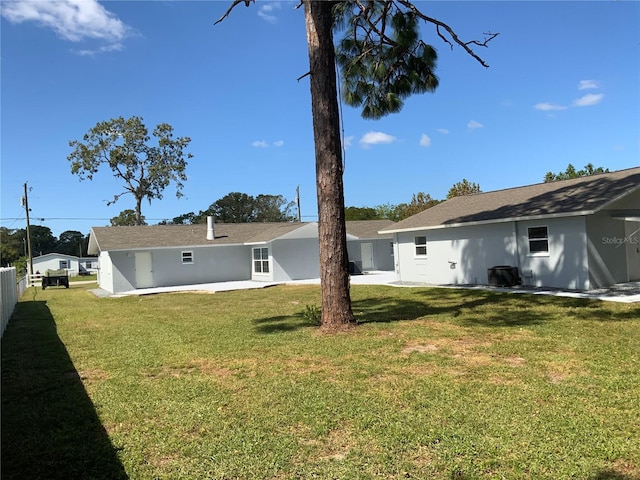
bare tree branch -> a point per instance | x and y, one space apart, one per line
465 45
233 5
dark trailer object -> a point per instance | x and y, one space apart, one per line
55 278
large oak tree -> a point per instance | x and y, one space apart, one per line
122 145
382 61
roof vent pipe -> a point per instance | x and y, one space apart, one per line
210 231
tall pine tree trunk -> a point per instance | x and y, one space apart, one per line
334 261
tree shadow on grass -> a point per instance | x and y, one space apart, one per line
383 309
610 474
50 428
467 307
282 323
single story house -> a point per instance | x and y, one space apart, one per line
60 261
170 255
582 234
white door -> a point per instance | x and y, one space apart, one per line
632 240
366 254
144 276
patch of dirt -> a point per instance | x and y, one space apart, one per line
91 375
515 361
419 348
561 371
208 367
336 445
197 366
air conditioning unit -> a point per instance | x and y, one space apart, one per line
504 276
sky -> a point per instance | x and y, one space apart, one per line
563 86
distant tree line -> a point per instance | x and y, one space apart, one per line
419 201
571 172
236 207
13 244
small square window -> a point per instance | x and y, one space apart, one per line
187 257
538 240
64 264
421 246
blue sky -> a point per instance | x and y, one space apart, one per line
563 87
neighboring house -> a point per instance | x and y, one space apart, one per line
60 261
576 234
169 255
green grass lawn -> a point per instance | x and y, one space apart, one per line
84 278
433 384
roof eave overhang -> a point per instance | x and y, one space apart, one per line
613 200
627 218
489 222
173 247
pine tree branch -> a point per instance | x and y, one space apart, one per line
441 25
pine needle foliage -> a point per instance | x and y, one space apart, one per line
381 57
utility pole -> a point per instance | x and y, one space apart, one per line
26 207
298 202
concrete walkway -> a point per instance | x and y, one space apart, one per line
624 293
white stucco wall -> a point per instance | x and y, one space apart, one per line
459 255
210 264
293 260
607 259
614 243
105 272
463 255
565 265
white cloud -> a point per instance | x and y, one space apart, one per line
72 20
278 143
425 141
587 84
588 100
375 138
473 124
443 131
347 141
266 12
260 144
548 107
113 47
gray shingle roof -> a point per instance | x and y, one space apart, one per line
578 196
368 229
164 236
158 236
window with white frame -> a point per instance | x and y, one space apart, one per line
261 260
421 246
64 264
538 240
187 257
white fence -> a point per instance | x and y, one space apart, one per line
10 292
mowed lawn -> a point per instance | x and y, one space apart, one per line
433 384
